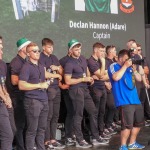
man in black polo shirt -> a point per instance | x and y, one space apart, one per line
17 95
69 131
112 113
6 134
77 76
32 81
52 65
96 64
132 45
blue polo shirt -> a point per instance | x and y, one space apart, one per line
34 74
15 67
77 68
124 90
94 65
47 61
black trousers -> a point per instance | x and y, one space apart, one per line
81 99
99 98
6 134
20 121
36 115
69 131
111 109
147 106
145 102
54 97
12 120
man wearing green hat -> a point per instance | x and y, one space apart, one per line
77 76
17 95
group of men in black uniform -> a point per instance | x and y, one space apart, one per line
37 81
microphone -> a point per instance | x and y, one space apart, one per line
2 80
51 80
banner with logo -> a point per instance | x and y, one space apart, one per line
106 21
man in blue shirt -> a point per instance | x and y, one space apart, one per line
122 76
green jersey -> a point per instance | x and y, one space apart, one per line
98 5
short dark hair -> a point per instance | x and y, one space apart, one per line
123 52
46 41
109 47
1 37
98 45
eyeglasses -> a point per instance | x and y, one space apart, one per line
35 51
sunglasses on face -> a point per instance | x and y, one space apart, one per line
35 51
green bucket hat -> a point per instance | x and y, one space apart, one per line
22 43
72 43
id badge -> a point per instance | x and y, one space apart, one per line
84 75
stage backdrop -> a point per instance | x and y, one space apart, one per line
107 21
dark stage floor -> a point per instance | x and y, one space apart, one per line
114 144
